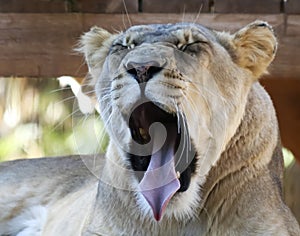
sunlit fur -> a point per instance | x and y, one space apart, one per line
229 118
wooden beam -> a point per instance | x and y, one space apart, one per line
63 6
41 45
104 6
292 6
285 94
175 6
34 6
247 6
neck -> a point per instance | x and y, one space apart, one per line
248 152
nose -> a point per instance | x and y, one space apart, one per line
143 71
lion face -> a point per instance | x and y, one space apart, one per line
172 96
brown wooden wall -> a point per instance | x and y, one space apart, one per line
37 38
150 6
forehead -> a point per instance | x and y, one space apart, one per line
168 32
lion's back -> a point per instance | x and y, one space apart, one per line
28 187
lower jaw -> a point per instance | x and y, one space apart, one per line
183 206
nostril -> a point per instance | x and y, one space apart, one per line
154 69
133 72
143 72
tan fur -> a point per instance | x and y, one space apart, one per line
236 188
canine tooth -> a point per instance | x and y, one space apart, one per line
143 133
177 174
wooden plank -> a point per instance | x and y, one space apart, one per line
104 6
175 6
34 6
39 44
293 26
44 39
285 94
247 6
227 22
60 6
287 61
292 6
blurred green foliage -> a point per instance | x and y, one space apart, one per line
38 118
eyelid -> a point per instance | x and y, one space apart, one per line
119 44
183 47
196 42
129 46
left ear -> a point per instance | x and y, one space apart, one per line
255 47
94 45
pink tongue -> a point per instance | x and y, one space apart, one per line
160 183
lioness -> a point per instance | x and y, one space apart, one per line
194 142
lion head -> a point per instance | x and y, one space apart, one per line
172 96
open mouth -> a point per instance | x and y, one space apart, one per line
163 157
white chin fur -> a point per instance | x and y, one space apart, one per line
184 204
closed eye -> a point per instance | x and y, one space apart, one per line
186 46
120 46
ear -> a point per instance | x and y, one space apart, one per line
95 46
254 47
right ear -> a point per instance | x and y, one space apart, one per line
255 47
95 46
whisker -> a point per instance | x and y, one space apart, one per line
178 118
186 136
191 101
99 63
126 11
116 31
186 96
198 14
180 128
64 100
107 122
186 79
65 118
89 92
60 89
183 14
102 137
104 98
80 66
104 89
104 114
123 21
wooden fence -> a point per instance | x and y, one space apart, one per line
151 6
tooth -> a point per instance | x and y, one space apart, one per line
143 133
178 174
